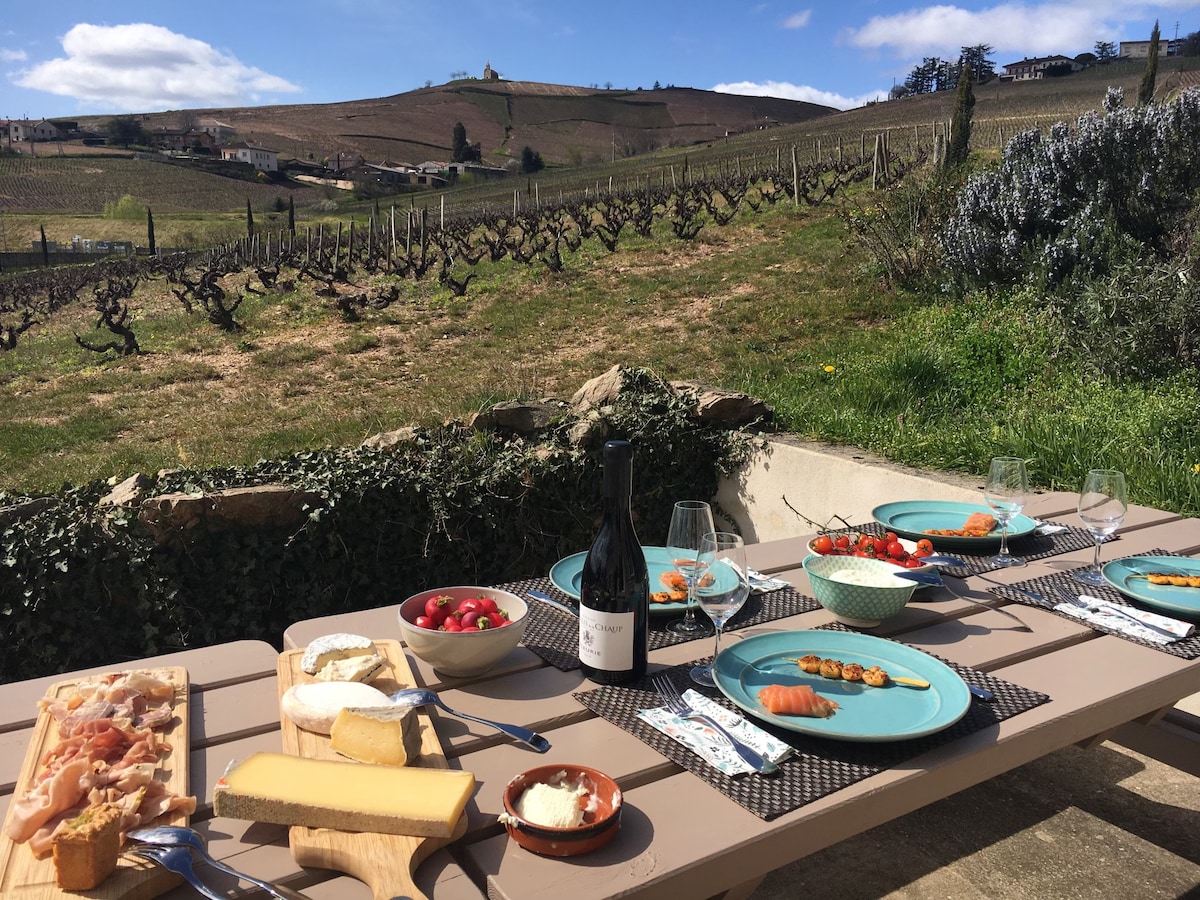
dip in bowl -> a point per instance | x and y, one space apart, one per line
860 592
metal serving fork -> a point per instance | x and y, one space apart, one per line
178 860
168 836
675 704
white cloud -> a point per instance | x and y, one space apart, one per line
1013 27
142 67
801 92
798 20
7 55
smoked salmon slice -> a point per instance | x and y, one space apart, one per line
795 700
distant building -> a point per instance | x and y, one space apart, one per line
260 157
182 139
1029 69
490 74
220 131
1141 49
31 130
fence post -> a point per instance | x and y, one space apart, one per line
795 178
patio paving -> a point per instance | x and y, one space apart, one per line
1077 824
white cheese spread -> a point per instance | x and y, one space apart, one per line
552 805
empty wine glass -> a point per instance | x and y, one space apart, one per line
721 587
690 521
1006 493
1103 503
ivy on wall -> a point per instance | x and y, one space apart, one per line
82 585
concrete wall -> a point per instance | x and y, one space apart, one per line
796 487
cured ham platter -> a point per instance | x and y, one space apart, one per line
25 876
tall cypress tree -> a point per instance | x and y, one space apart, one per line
150 230
960 125
1146 88
249 220
45 247
291 214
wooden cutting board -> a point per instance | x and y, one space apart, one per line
385 862
25 877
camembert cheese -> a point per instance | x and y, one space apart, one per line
315 705
349 796
353 668
389 736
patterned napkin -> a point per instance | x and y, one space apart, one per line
698 737
764 584
1105 612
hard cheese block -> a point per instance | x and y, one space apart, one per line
390 736
290 790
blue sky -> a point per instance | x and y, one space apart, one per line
69 58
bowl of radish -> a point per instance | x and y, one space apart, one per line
463 630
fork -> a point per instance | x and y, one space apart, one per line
676 705
179 861
1077 601
936 578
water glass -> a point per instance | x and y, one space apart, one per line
1006 493
721 587
690 521
1103 503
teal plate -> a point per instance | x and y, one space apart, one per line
1183 601
891 713
912 518
567 573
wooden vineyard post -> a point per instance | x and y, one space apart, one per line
795 178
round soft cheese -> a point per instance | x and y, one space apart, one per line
314 706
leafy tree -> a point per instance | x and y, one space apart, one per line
981 68
1189 45
1086 59
458 143
126 130
150 230
1146 88
1105 51
531 160
960 125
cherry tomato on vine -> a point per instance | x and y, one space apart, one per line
823 544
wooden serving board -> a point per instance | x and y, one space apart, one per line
385 862
24 876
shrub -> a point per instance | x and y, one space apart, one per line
1078 204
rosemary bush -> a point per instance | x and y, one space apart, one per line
1079 202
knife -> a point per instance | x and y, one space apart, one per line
547 599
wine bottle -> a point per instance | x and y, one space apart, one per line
614 591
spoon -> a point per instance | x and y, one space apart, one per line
423 697
935 579
175 836
178 860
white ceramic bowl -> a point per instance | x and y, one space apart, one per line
859 605
467 652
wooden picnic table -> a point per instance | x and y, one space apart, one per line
681 837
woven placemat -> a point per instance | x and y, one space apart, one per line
1030 547
819 766
1047 585
554 635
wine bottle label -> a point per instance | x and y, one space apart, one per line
606 639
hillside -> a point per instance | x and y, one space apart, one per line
567 125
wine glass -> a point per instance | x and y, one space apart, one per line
1102 506
690 521
1006 493
721 587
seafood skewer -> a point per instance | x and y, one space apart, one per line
873 676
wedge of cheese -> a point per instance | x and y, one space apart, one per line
353 668
348 796
388 736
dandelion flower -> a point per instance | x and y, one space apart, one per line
829 368
1196 469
